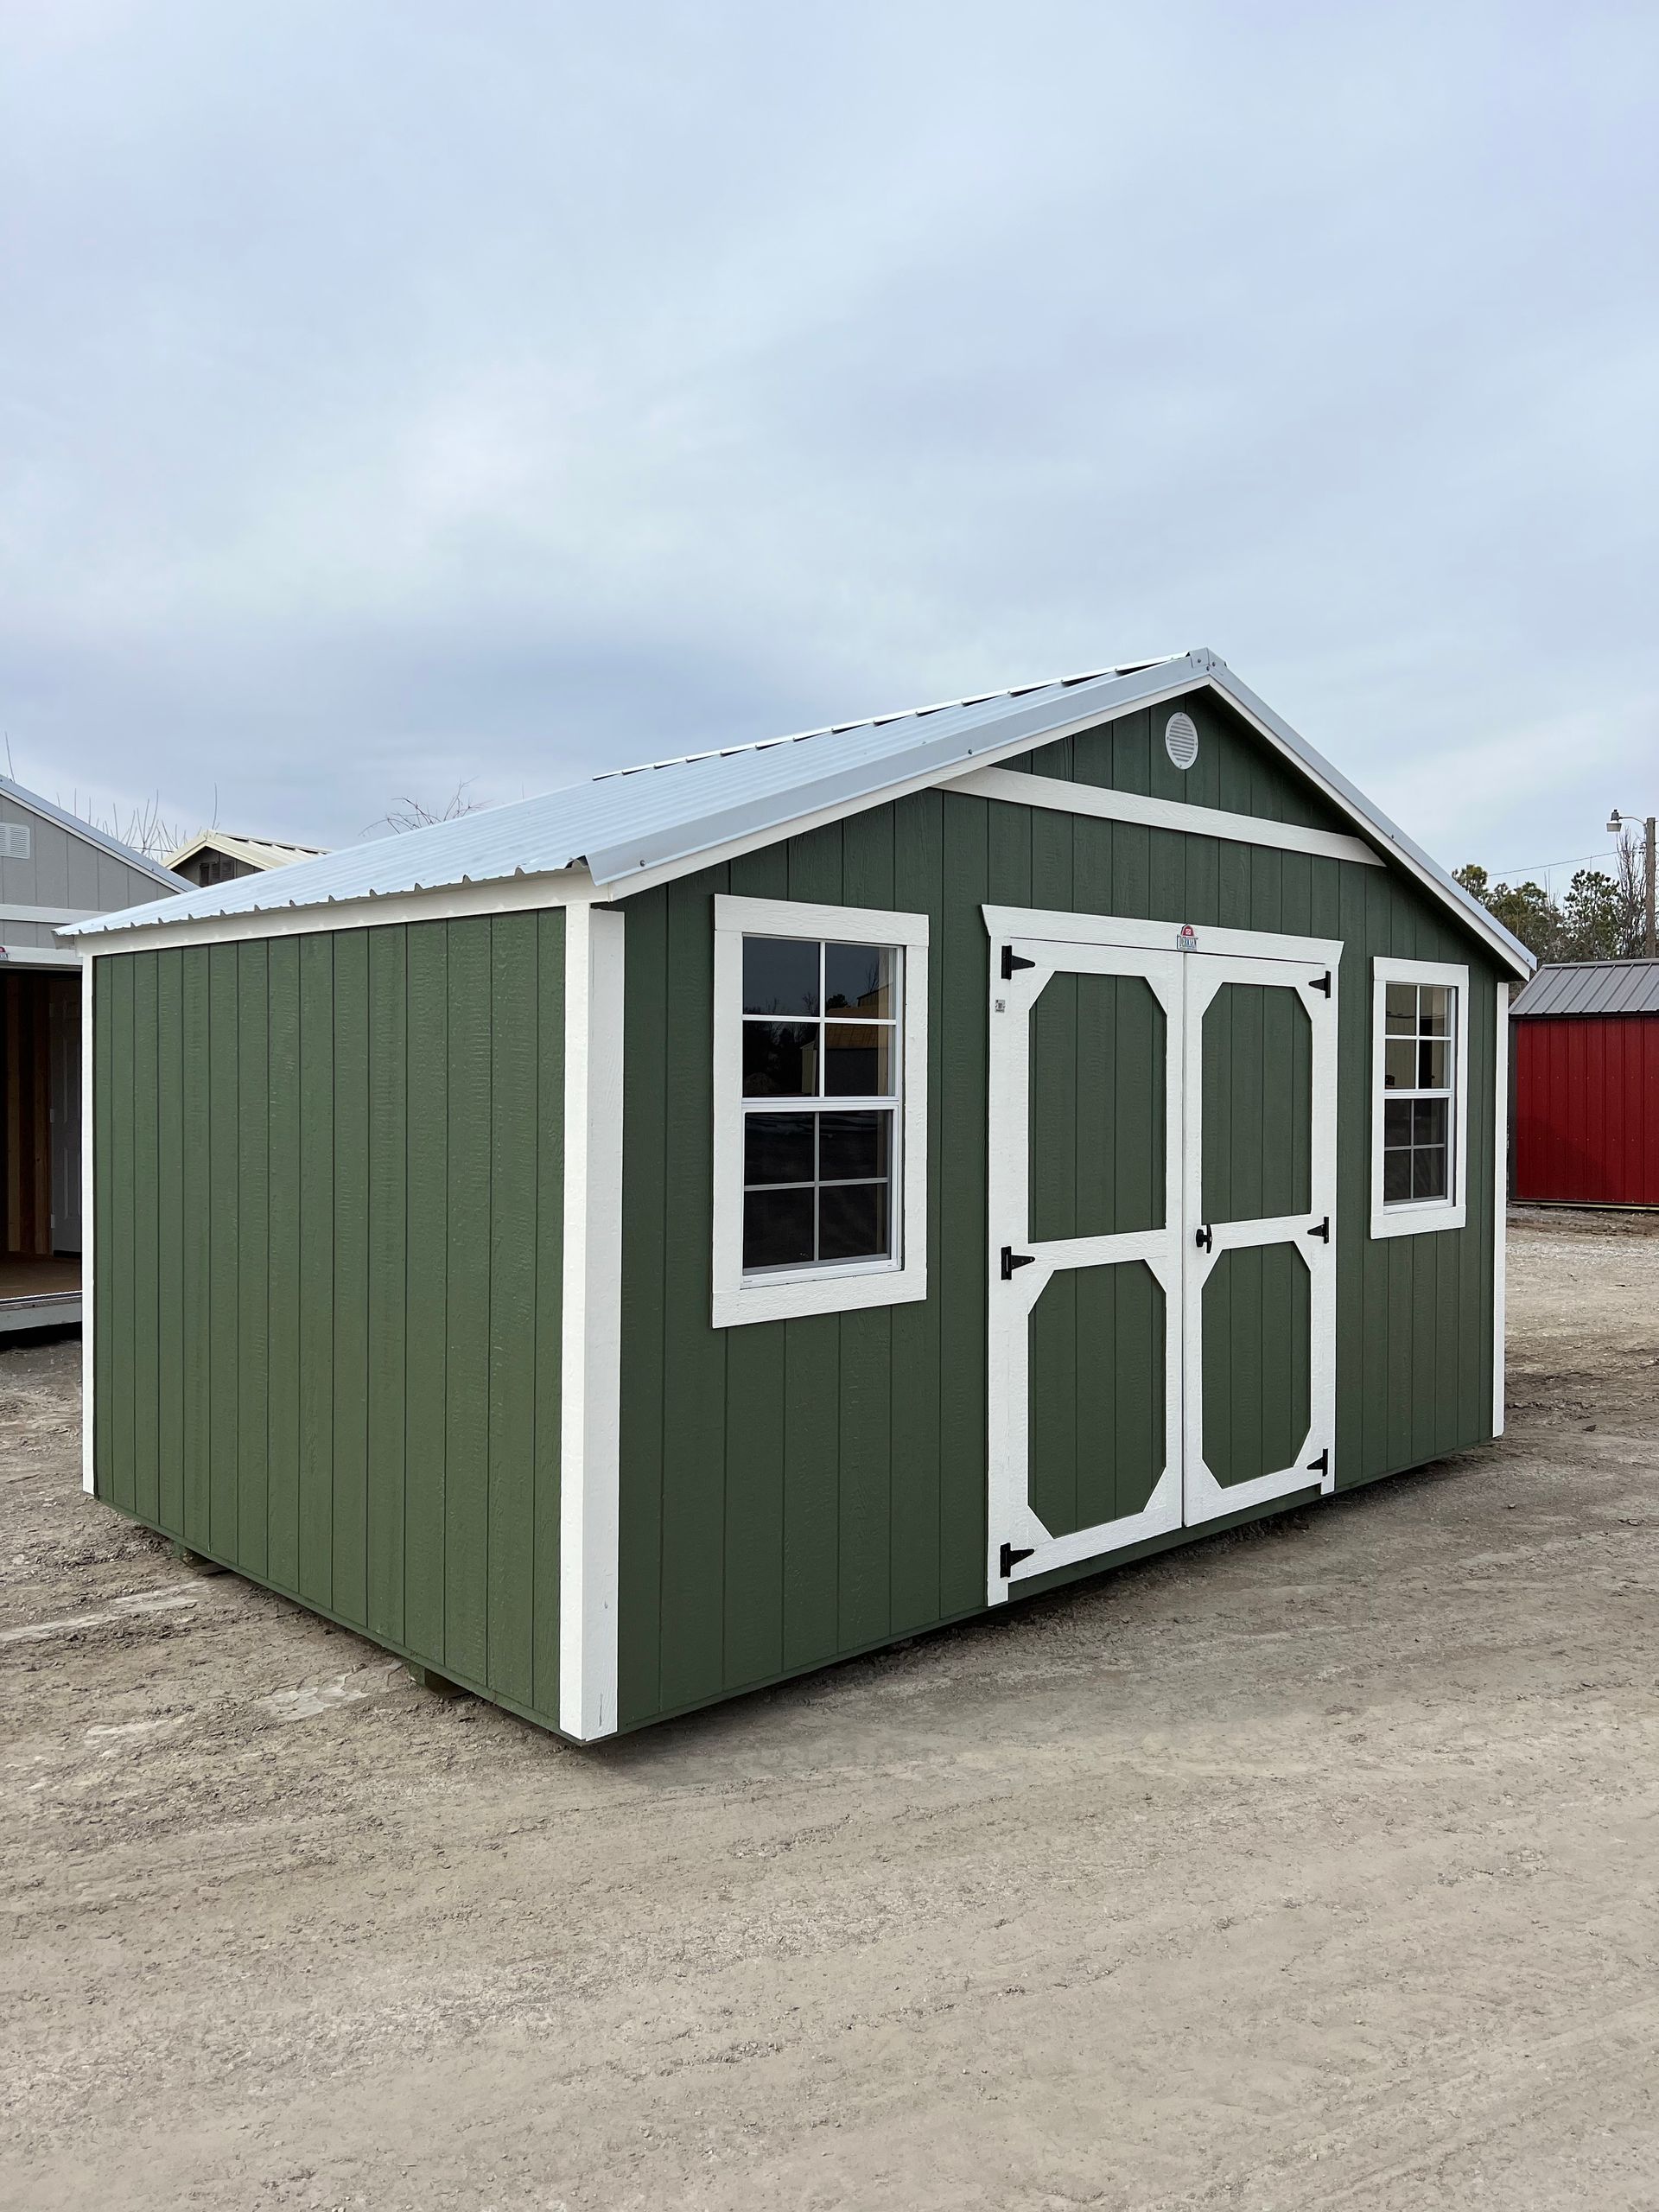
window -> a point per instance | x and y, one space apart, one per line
820 1094
1419 1096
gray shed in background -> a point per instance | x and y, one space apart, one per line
54 870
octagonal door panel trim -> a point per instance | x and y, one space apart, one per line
1022 1267
1256 1081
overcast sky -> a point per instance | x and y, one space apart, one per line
397 393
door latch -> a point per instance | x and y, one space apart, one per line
1010 1559
1011 960
1322 1229
1321 983
1205 1238
1011 1260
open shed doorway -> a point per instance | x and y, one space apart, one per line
39 1147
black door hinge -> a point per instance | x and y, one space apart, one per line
1322 1465
1205 1238
1010 1559
1011 960
1011 1260
1322 1230
1321 983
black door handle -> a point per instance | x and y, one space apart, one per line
1204 1238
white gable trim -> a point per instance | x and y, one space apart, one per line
1106 805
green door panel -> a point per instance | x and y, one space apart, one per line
1097 1055
1255 1340
1096 1434
1258 1103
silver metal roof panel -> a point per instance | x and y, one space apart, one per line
1585 989
628 823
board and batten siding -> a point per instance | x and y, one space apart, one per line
795 1492
329 1189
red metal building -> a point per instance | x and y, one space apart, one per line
1585 1105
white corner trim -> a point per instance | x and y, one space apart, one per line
733 1303
1005 922
1021 788
590 1398
88 1237
1424 1216
1500 1199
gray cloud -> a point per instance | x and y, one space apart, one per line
390 396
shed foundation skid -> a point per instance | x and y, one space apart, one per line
917 1165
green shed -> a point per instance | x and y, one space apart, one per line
632 1246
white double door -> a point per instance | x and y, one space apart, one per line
1162 1219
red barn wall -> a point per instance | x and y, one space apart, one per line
1586 1110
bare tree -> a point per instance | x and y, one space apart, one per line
414 814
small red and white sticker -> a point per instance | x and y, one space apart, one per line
1187 941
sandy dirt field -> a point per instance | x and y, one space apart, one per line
1310 1867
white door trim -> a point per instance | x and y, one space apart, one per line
1204 1498
1005 922
1011 1520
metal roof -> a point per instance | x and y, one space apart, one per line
128 854
258 852
1592 987
668 815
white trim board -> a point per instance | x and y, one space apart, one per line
511 894
1018 788
50 916
733 1302
1006 922
1423 1216
36 956
591 1338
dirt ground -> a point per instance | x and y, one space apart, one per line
1309 1867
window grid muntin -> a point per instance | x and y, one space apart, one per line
1444 1040
818 1102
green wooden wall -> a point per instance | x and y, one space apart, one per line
329 1180
792 1492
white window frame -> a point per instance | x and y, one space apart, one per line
855 1284
1421 1217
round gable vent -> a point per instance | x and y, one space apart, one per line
1181 740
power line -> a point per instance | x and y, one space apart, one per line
1543 867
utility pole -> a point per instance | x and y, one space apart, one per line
1616 826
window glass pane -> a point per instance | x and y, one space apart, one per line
1428 1121
1396 1176
1396 1122
1397 1063
778 1148
1429 1172
853 1221
1400 1008
780 975
857 1061
1431 1064
1432 1000
777 1227
853 1146
780 1060
858 977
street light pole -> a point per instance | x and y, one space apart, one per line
1616 825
